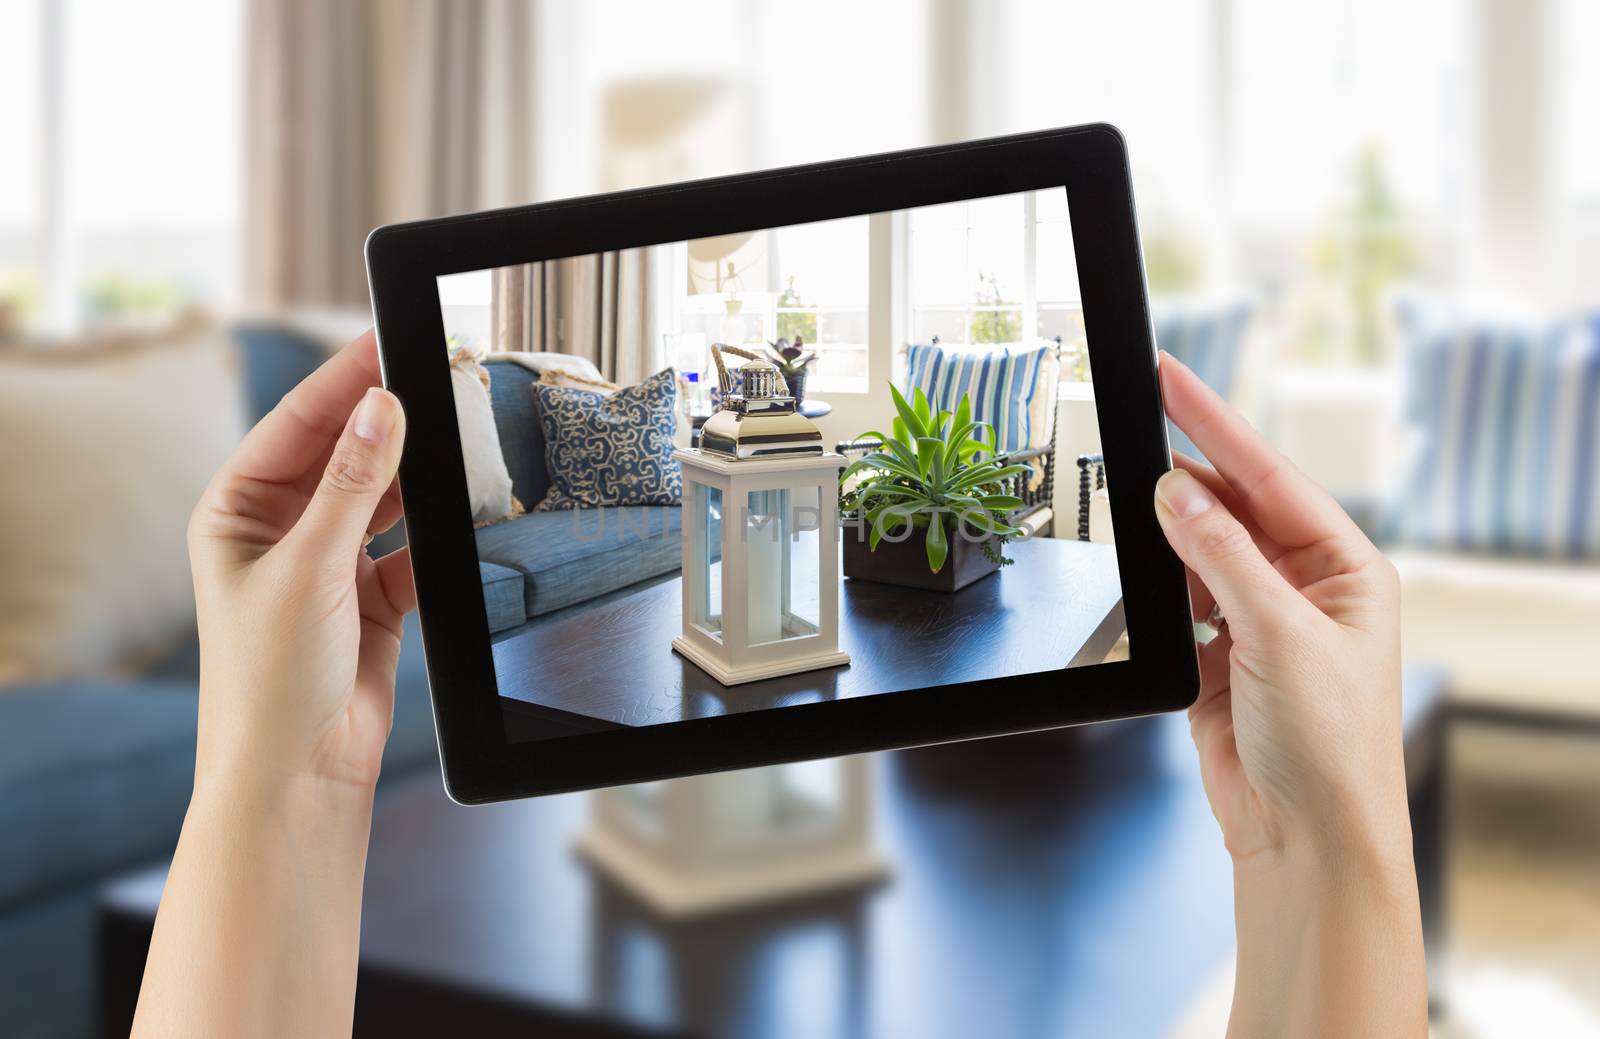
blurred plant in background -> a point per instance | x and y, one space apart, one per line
120 298
19 301
793 323
1369 248
1173 263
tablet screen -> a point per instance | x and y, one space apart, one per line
785 466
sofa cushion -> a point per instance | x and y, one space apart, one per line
275 360
502 596
94 776
521 441
1515 634
572 556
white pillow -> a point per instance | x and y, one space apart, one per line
488 482
103 454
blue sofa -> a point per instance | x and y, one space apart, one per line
543 561
95 775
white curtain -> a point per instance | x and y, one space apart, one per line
363 112
604 307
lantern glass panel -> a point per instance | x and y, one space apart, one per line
781 546
708 597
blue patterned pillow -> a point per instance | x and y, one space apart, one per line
610 449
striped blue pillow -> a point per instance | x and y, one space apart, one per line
1002 380
1209 340
1506 417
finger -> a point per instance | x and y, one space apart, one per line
389 510
1230 501
395 578
1200 598
358 474
1213 544
1214 670
295 434
1290 508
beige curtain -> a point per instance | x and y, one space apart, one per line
601 307
363 112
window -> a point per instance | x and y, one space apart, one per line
1347 178
1577 88
809 281
1309 157
123 123
995 270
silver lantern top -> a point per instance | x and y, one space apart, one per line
761 422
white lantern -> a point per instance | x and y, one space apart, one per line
761 545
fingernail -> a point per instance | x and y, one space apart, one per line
1183 495
375 416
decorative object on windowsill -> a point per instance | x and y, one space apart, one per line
733 304
760 547
930 508
794 361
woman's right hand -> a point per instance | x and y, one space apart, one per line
1298 730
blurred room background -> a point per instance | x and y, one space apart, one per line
1395 195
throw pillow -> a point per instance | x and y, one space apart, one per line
616 449
488 483
557 377
103 453
1003 381
1504 414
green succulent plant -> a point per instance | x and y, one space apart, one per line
935 471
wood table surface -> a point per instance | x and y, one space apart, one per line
1061 883
1059 604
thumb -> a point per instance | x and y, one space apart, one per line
361 468
1221 552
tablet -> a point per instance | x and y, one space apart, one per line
792 464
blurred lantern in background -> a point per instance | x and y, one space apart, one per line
715 842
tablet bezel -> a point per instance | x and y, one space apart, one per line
404 262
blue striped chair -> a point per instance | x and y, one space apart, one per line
1505 416
1011 387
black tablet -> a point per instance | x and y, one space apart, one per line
792 464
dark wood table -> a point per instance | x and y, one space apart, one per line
1059 604
1054 884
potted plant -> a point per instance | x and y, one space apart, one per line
794 361
929 509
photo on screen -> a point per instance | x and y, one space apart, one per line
795 465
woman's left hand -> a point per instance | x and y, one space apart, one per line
299 627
